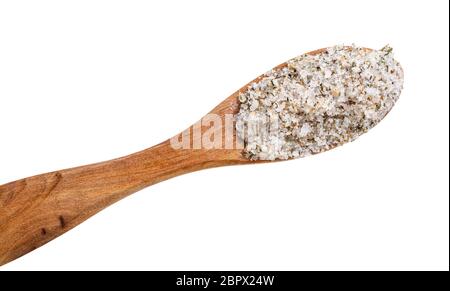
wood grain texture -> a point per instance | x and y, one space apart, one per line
35 210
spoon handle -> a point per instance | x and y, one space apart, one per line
35 210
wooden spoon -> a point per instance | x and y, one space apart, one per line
35 210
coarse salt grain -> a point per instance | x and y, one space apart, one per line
304 130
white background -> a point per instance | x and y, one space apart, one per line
85 81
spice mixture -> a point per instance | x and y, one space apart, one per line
317 102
